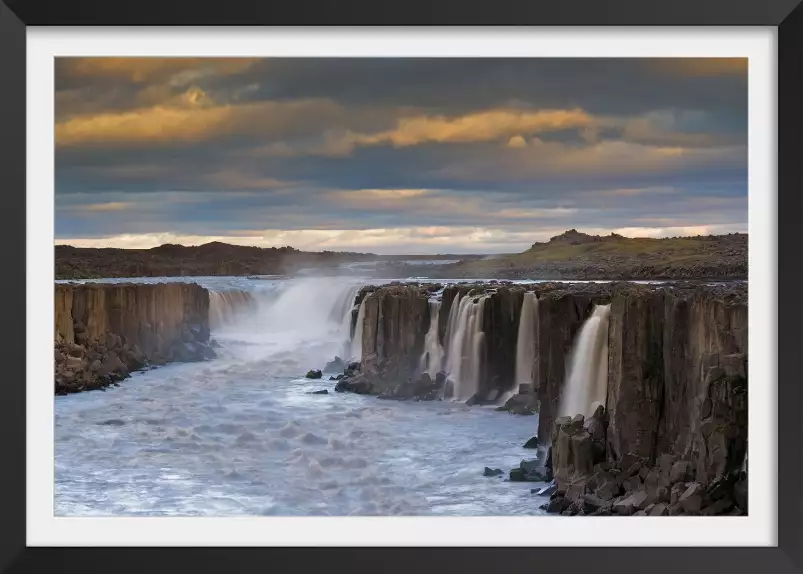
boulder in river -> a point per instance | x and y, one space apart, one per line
531 443
314 374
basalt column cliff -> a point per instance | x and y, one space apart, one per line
676 362
104 331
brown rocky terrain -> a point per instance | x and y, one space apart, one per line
222 259
103 332
571 255
677 383
169 260
575 255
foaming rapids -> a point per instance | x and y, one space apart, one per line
291 326
587 382
466 345
432 357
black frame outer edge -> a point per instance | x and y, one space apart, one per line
790 285
16 557
12 242
371 13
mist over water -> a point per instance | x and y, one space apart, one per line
241 435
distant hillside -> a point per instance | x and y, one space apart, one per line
575 255
210 259
178 260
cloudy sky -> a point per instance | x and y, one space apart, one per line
396 155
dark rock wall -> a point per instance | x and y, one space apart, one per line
635 373
105 330
396 321
152 317
501 319
705 377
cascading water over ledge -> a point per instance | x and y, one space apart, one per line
432 358
466 345
526 341
355 348
587 380
226 306
306 322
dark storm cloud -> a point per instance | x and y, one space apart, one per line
209 147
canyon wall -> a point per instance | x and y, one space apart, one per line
677 356
395 322
103 331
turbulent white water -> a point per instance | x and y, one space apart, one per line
466 345
525 342
241 435
587 380
432 357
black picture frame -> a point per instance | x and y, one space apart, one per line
787 15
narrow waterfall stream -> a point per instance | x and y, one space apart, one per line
432 357
465 344
525 341
587 379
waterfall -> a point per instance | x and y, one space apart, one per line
299 323
451 322
341 310
356 339
432 357
525 342
226 306
466 344
587 380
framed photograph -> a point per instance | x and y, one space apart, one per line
440 286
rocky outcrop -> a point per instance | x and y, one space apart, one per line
635 372
677 397
104 331
705 381
678 377
634 485
396 319
575 256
